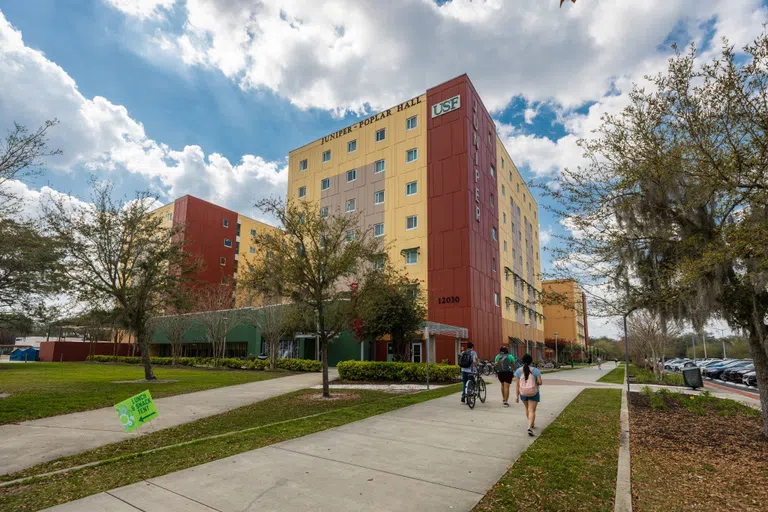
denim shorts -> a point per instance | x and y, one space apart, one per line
534 398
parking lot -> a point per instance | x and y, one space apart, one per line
736 373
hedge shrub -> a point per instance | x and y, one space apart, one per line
294 365
397 372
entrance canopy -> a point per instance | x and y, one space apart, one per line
434 328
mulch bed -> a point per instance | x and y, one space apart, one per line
335 395
711 459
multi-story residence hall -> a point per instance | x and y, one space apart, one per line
567 317
432 177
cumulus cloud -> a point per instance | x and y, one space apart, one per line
102 137
142 9
359 54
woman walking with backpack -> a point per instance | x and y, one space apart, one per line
505 368
528 382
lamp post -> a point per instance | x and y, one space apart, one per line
526 338
626 351
704 339
556 348
721 331
693 340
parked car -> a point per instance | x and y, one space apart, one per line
683 363
736 374
750 378
714 371
668 363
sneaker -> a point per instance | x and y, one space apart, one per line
506 404
530 432
463 399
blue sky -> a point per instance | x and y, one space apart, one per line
208 96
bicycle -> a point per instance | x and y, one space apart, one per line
475 389
486 367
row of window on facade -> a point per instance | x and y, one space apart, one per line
411 189
381 135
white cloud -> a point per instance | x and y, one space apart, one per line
350 54
103 137
142 9
545 236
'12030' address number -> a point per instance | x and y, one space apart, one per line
447 300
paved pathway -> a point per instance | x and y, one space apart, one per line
31 442
438 455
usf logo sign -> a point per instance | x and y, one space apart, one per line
446 106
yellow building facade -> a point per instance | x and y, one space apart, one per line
566 316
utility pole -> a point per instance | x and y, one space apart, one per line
626 352
555 347
693 340
704 339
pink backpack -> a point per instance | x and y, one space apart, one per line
528 387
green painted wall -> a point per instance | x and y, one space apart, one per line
345 348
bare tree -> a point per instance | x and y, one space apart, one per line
271 321
215 313
173 325
116 251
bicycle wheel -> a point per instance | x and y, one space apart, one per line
488 369
481 390
471 394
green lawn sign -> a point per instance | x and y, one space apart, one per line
136 411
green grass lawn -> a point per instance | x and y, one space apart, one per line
272 421
615 376
38 390
571 466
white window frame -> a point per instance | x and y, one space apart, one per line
493 171
416 186
350 235
494 233
302 192
170 216
252 250
323 212
415 123
493 264
378 264
376 197
415 222
303 165
323 182
327 152
352 201
228 243
253 232
383 131
349 144
226 223
376 166
491 200
222 261
353 173
414 346
408 153
496 299
382 230
413 252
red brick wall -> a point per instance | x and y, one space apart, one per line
55 351
461 248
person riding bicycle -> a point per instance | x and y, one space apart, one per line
468 364
505 370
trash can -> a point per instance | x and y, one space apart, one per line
692 377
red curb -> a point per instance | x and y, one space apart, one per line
734 390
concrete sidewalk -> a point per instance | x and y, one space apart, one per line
438 455
31 442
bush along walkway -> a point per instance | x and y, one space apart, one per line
571 466
32 442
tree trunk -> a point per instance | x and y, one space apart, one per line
760 360
324 355
142 339
273 348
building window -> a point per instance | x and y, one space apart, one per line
352 146
378 197
489 137
518 187
496 299
493 264
412 155
303 165
477 175
493 232
378 229
411 222
411 257
491 199
323 212
411 123
327 156
170 216
477 213
325 184
510 176
253 232
505 246
503 191
493 172
222 261
411 188
415 352
227 242
477 195
302 192
504 217
226 223
350 205
252 250
350 235
381 134
351 175
378 263
379 166
502 162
